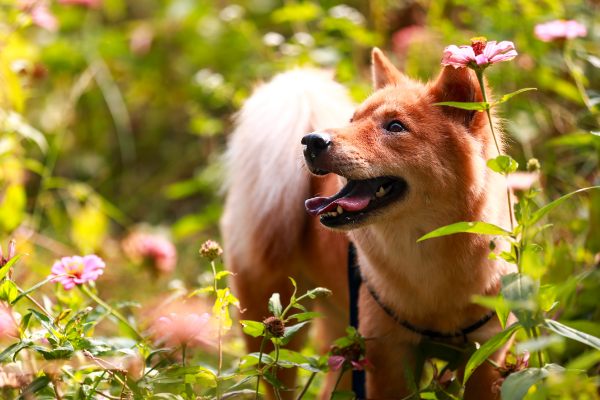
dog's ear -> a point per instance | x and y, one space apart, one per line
461 85
384 72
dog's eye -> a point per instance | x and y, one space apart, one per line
395 126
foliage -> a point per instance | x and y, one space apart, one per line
113 115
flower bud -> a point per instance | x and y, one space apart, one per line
320 292
533 165
274 327
12 249
211 250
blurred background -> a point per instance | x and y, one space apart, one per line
114 114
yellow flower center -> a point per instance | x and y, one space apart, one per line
74 268
478 44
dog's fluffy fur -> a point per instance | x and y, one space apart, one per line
442 158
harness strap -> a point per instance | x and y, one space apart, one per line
354 281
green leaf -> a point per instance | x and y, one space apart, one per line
45 322
291 331
253 328
503 165
539 214
24 323
13 349
35 386
9 265
206 289
222 274
466 106
507 97
275 305
252 359
546 297
343 395
410 377
482 228
92 345
31 289
516 385
571 333
167 396
502 310
269 377
576 140
518 291
305 316
158 351
8 291
488 348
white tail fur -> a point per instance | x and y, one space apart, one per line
266 180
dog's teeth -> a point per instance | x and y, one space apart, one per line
380 193
340 210
374 198
333 214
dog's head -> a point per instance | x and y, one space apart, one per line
399 149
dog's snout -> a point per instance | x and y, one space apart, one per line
315 143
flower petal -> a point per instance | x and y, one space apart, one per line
335 362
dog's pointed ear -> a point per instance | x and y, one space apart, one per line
460 85
384 72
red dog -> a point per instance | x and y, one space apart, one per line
401 168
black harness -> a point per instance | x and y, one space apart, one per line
355 279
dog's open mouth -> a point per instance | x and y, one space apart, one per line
356 200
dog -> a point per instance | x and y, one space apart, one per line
400 168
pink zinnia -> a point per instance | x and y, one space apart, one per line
7 323
336 362
87 3
159 250
84 269
184 327
559 29
479 54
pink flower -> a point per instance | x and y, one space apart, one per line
84 269
7 324
521 180
184 327
40 14
559 29
159 250
336 362
12 249
86 3
480 54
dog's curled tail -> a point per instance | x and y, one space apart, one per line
267 182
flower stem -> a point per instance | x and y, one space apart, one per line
539 352
338 381
262 348
183 348
305 388
114 312
479 73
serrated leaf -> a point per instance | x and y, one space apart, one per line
482 228
275 305
571 333
488 348
253 328
466 106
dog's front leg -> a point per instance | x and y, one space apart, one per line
388 345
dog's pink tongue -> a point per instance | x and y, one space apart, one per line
354 200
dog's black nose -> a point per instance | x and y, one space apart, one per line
315 143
